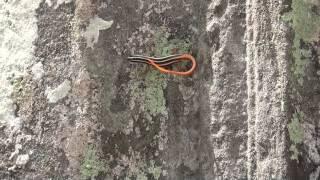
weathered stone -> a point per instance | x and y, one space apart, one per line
72 107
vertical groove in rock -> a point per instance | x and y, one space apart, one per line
228 91
267 70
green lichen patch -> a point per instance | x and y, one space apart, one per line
155 82
151 99
296 133
18 87
305 22
154 96
145 120
164 46
92 165
154 170
135 165
306 25
146 170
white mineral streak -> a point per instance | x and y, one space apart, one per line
59 2
22 159
37 71
54 95
18 30
49 2
92 32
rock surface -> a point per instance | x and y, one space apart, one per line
72 107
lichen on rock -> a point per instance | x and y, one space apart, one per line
71 106
142 111
304 20
296 134
92 164
306 26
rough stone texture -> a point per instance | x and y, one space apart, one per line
267 73
72 107
228 92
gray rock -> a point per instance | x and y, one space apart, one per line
68 95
